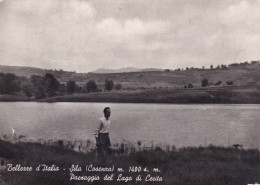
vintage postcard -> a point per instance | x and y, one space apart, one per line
162 92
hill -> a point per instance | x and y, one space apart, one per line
239 75
125 70
22 70
237 83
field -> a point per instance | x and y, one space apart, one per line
194 165
234 95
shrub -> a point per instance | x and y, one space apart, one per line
218 83
190 85
204 82
229 82
91 86
109 84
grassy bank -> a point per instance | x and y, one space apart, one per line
232 94
196 165
13 97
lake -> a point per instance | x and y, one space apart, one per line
174 124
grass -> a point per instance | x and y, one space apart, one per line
190 165
200 95
14 97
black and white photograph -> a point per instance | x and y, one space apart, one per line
160 92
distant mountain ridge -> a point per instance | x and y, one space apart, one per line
125 70
28 71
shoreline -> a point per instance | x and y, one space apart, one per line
227 95
193 165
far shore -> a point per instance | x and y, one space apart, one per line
221 95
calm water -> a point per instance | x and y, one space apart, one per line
180 125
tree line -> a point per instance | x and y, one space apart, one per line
219 67
48 86
205 82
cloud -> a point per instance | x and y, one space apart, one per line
81 8
67 9
45 33
244 13
241 29
131 27
84 35
133 34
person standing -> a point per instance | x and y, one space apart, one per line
102 136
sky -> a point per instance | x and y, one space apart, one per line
85 35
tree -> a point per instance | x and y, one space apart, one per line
9 83
27 90
39 86
39 92
211 66
223 66
91 86
78 88
37 80
52 84
71 86
109 84
118 86
2 83
204 82
62 88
